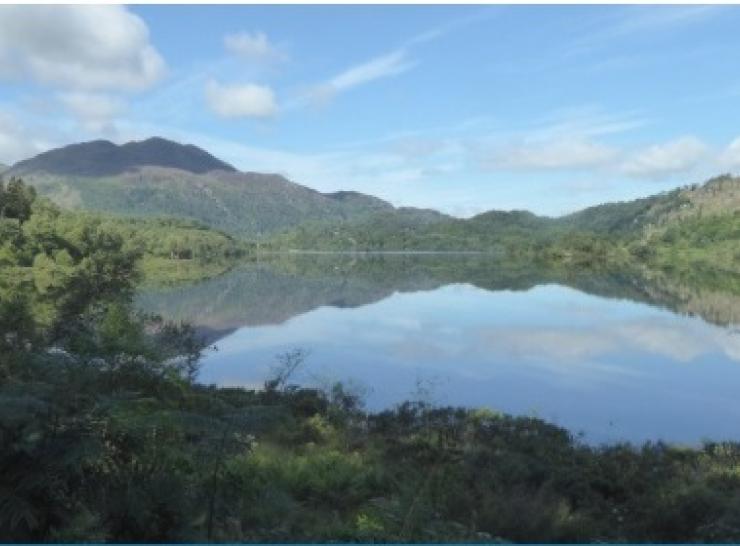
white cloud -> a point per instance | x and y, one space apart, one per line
561 153
674 157
94 111
241 101
18 141
730 157
252 46
78 47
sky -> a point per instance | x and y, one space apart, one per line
458 108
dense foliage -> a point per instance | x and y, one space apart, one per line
48 243
105 436
494 231
696 225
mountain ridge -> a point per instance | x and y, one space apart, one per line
158 177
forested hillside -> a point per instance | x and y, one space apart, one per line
157 177
41 241
693 224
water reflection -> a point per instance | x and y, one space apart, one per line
616 354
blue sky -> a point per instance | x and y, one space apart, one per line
460 108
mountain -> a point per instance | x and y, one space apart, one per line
3 168
103 158
157 177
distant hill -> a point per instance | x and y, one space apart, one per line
158 177
718 195
621 217
712 209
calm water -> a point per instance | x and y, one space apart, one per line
616 356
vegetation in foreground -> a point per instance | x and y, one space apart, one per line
105 436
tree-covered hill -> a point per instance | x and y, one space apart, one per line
717 196
698 223
621 218
41 241
158 177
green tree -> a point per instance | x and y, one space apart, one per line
16 199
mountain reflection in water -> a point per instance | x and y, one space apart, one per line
620 355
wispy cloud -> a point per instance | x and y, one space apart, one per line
638 20
569 138
587 121
393 63
572 153
385 66
452 26
652 18
660 160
